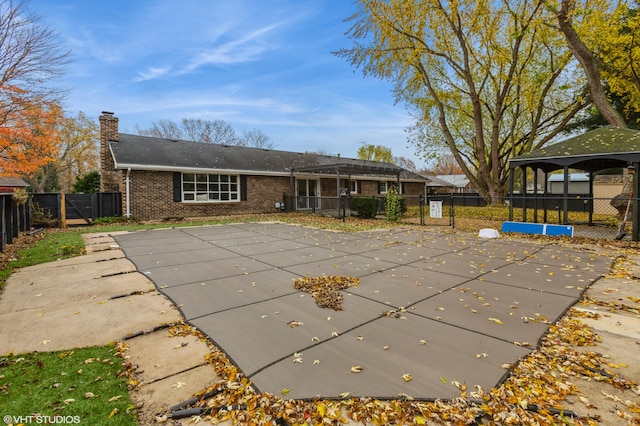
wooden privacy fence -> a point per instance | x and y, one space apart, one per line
14 218
79 209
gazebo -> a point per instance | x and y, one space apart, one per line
600 149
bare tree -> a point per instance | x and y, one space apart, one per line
165 129
256 138
207 131
405 163
31 54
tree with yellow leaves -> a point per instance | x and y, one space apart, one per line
486 80
605 39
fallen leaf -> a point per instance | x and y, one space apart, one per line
178 385
406 377
356 369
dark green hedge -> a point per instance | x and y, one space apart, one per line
365 207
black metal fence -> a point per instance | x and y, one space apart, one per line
590 217
14 218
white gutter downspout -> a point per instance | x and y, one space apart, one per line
126 194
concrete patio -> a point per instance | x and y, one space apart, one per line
436 307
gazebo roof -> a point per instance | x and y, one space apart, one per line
603 148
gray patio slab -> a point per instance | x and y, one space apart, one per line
568 257
278 245
351 265
257 335
501 249
301 255
551 279
459 263
467 299
195 254
132 250
509 313
168 276
404 285
207 297
448 354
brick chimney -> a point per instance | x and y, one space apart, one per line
110 179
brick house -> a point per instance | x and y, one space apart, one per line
164 178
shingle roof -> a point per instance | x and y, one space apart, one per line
12 182
595 150
149 153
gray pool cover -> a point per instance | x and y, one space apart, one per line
435 307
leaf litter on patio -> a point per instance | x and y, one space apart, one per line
325 289
535 390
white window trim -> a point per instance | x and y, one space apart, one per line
356 186
210 185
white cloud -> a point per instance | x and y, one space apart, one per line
151 74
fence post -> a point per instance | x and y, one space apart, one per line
452 213
63 211
421 210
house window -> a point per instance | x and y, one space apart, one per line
384 186
205 188
353 186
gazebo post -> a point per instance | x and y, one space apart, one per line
535 195
545 194
511 178
523 192
635 231
590 204
565 194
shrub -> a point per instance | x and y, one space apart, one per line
41 218
365 207
395 205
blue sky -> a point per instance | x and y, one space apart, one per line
256 64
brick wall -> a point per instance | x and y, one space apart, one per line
151 195
110 180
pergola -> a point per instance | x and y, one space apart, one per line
603 148
349 168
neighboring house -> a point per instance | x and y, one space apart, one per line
10 184
578 183
605 188
164 178
449 184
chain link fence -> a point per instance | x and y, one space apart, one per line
590 217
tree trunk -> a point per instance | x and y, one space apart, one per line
589 64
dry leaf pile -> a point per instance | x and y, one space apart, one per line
326 289
533 393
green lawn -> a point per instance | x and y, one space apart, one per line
81 385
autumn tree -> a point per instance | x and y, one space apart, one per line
375 153
31 55
485 80
75 154
588 60
28 135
